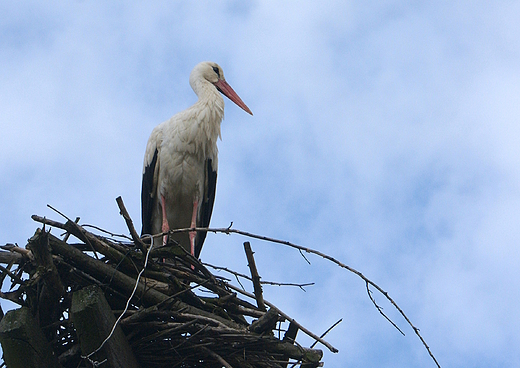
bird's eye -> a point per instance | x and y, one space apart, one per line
215 69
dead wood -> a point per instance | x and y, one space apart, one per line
23 342
257 287
163 315
166 321
94 320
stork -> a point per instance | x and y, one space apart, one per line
181 159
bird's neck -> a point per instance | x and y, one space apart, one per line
207 114
210 108
211 104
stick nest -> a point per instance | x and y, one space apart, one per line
178 314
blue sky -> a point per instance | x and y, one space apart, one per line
384 133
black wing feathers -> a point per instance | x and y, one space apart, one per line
204 217
147 200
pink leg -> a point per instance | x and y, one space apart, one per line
193 224
165 226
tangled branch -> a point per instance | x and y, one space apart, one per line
162 313
368 282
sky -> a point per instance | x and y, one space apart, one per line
384 134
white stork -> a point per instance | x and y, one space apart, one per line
180 162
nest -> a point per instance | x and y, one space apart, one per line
107 300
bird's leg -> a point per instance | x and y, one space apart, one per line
193 224
165 227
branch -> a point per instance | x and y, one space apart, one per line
13 276
369 292
122 282
291 320
229 230
275 283
217 357
254 276
99 245
327 331
8 257
130 224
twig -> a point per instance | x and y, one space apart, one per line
13 276
238 280
291 320
229 230
327 331
69 226
275 283
46 221
217 357
381 309
111 234
58 212
301 286
303 255
257 287
67 234
130 224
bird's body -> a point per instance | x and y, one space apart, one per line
181 159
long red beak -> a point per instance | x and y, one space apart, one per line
226 89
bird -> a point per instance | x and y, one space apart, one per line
181 161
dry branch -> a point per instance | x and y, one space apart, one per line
257 287
368 282
137 240
275 283
165 321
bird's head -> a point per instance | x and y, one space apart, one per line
213 73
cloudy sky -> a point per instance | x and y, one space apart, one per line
384 134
